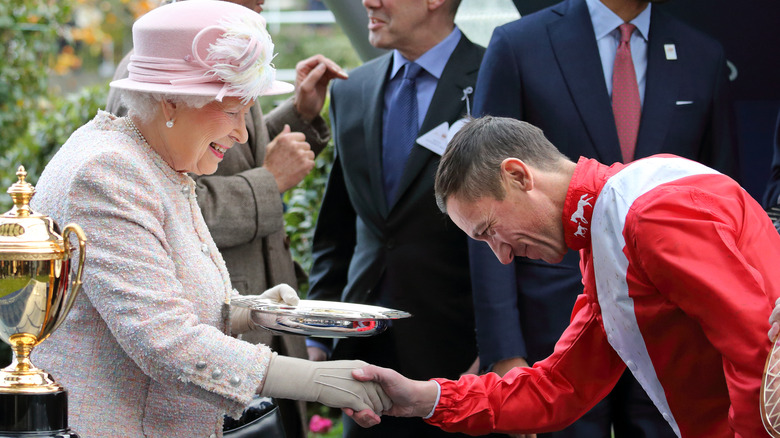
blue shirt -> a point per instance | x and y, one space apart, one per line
432 62
605 25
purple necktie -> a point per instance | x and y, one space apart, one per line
400 133
626 105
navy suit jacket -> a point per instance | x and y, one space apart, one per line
545 69
772 194
407 255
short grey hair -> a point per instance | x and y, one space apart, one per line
471 166
144 105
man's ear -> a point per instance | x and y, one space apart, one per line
434 4
518 174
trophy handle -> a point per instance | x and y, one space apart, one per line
76 284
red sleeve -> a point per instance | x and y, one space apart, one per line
547 397
713 256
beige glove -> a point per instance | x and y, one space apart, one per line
329 383
243 320
282 294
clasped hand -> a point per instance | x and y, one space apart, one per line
409 398
363 391
329 382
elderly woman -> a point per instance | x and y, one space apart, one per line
149 347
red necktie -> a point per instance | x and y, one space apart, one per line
625 95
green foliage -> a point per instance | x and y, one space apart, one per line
303 206
50 122
28 39
303 203
28 43
34 123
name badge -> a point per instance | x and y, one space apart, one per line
436 139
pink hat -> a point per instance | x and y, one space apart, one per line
203 48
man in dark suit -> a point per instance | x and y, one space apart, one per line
772 193
554 69
393 247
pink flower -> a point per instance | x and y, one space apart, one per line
320 425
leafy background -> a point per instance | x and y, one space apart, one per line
56 59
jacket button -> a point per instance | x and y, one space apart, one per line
185 190
235 381
216 374
205 249
200 365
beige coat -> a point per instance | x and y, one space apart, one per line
243 210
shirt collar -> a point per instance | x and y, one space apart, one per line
432 61
586 183
605 21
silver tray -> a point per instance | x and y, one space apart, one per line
323 319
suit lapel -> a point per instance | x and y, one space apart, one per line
574 44
661 87
446 105
372 123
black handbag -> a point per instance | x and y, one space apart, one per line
261 419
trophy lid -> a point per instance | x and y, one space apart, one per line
24 234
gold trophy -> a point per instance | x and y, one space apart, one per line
36 294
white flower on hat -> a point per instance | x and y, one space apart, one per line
242 57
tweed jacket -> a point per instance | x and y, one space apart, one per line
144 351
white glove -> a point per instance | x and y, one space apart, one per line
329 383
243 320
282 294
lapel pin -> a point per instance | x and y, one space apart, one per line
671 52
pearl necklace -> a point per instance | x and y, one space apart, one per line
132 126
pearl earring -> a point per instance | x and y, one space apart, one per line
169 123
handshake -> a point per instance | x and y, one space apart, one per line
329 383
363 391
